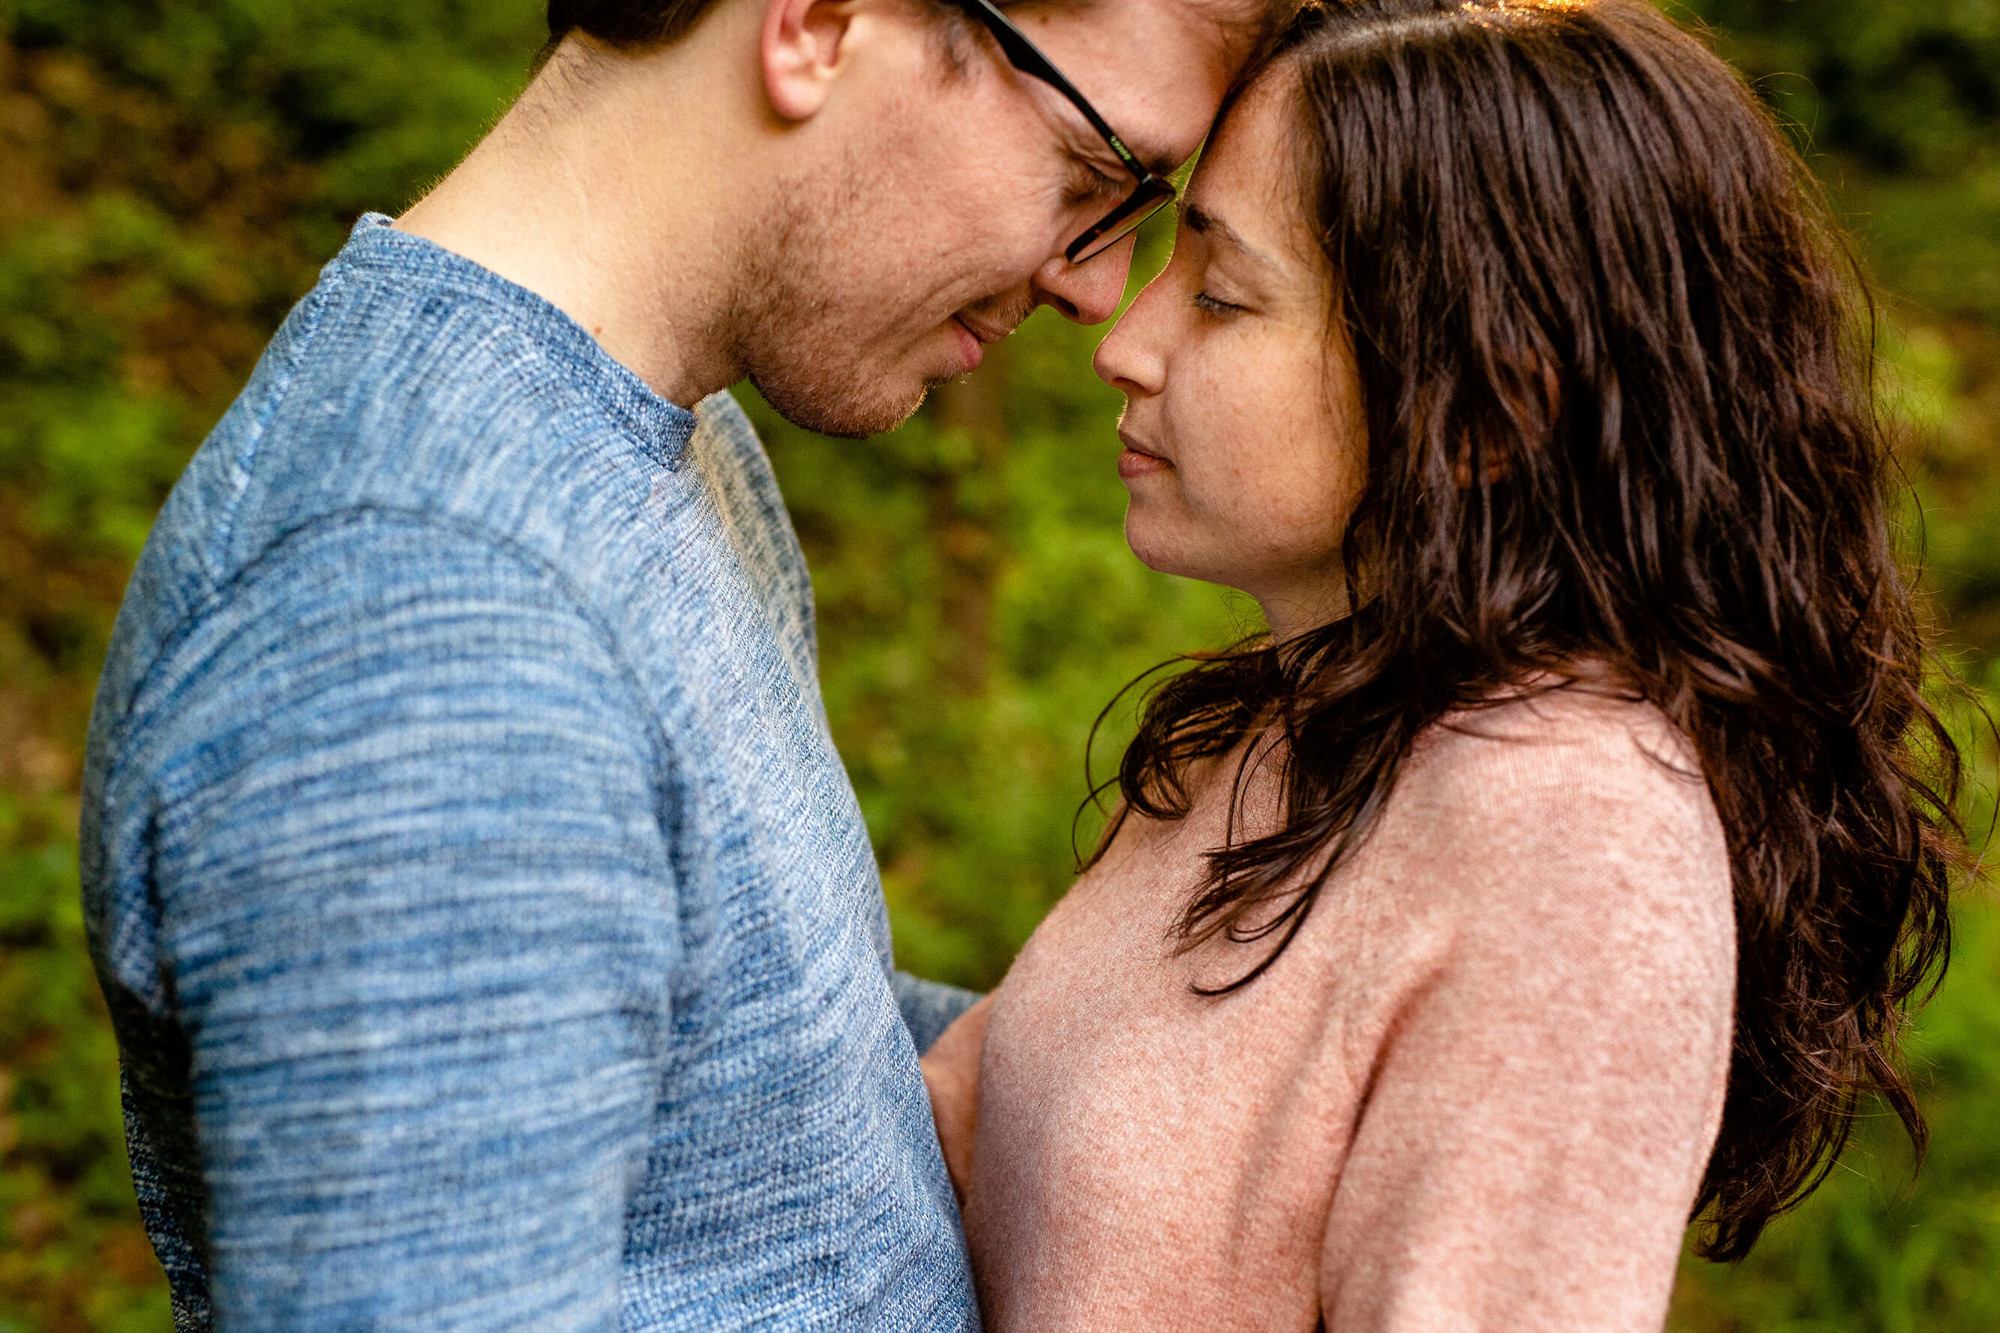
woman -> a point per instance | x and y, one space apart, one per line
1562 862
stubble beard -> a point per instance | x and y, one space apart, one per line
800 335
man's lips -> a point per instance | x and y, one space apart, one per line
986 333
973 339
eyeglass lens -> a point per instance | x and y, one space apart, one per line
1150 192
1148 199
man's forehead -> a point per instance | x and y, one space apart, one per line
1155 69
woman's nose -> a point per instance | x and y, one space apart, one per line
1130 358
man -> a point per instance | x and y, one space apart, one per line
490 931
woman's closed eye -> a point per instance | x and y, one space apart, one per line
1214 306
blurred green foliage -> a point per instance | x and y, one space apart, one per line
171 176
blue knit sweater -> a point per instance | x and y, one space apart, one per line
489 926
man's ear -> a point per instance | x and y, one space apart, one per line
801 48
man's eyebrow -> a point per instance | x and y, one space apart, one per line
1161 163
1090 141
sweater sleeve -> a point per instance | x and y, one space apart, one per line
418 927
929 1007
1541 1107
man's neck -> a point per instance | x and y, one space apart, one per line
600 191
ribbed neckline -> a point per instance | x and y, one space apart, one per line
660 427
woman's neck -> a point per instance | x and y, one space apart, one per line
1303 607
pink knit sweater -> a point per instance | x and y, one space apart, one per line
1477 1093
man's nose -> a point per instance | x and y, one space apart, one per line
1087 293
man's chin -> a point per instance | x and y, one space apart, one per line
845 415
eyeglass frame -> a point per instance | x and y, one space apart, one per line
1149 194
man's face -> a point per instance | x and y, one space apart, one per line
937 219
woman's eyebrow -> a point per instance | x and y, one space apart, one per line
1204 223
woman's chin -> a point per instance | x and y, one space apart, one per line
1155 550
1165 551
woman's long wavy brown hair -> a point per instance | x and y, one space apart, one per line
1617 368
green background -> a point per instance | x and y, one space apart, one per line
172 175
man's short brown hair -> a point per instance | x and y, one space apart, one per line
639 25
625 23
632 25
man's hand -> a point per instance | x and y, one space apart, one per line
951 1072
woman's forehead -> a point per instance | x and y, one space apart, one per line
1245 192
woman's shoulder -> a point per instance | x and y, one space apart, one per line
1572 750
1581 808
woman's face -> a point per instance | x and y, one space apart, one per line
1245 446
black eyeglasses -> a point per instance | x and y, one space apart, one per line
1148 196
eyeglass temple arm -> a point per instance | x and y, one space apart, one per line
1025 56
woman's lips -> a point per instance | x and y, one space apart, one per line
1137 460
